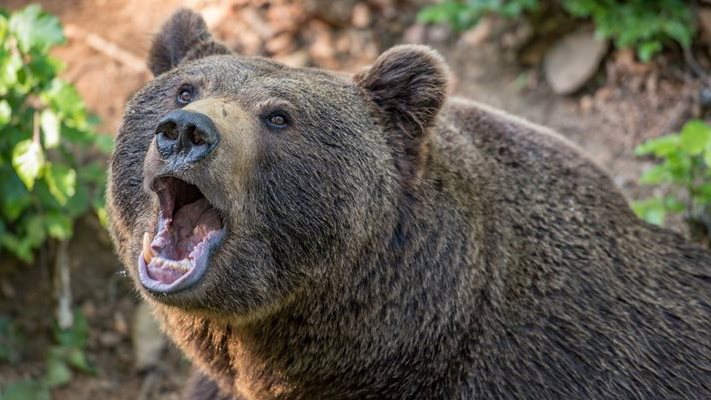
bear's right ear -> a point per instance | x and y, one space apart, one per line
409 84
182 37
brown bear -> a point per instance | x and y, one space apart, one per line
304 234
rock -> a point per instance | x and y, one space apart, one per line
285 17
7 289
147 338
571 62
415 34
361 16
333 12
109 339
480 33
280 44
298 59
120 324
439 33
705 97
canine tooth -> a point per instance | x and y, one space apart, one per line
147 251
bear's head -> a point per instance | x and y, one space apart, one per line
237 183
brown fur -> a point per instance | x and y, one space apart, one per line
393 243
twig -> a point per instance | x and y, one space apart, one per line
62 286
695 67
107 48
147 386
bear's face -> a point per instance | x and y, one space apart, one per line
237 182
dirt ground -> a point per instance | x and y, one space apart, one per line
108 39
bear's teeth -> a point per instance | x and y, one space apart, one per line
147 251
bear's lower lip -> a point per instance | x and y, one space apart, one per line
167 276
189 230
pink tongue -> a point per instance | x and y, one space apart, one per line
188 227
191 224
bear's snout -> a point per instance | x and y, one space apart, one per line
185 137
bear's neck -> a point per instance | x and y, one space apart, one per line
383 324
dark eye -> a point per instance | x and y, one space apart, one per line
277 120
185 96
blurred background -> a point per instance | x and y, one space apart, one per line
628 81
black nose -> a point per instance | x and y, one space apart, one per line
186 136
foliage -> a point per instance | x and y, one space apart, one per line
66 355
46 181
462 15
641 24
11 340
645 25
686 166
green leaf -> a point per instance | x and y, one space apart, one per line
44 68
58 373
65 100
104 142
5 112
646 50
20 248
35 232
3 28
77 359
59 226
28 160
678 31
654 175
35 29
673 205
660 147
49 121
103 216
9 67
76 335
14 198
26 390
695 137
61 181
651 210
79 203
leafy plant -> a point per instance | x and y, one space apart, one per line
645 25
47 179
686 166
67 355
462 15
10 340
641 24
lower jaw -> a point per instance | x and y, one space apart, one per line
190 278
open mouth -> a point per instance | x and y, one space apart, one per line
189 229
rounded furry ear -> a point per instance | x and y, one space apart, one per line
182 37
409 84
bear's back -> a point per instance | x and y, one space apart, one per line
592 302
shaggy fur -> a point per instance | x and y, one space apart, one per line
396 243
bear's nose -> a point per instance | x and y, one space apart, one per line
187 136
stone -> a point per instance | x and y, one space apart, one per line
572 61
147 338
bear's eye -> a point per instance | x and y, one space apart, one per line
277 120
185 96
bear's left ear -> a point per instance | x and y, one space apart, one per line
182 37
409 84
